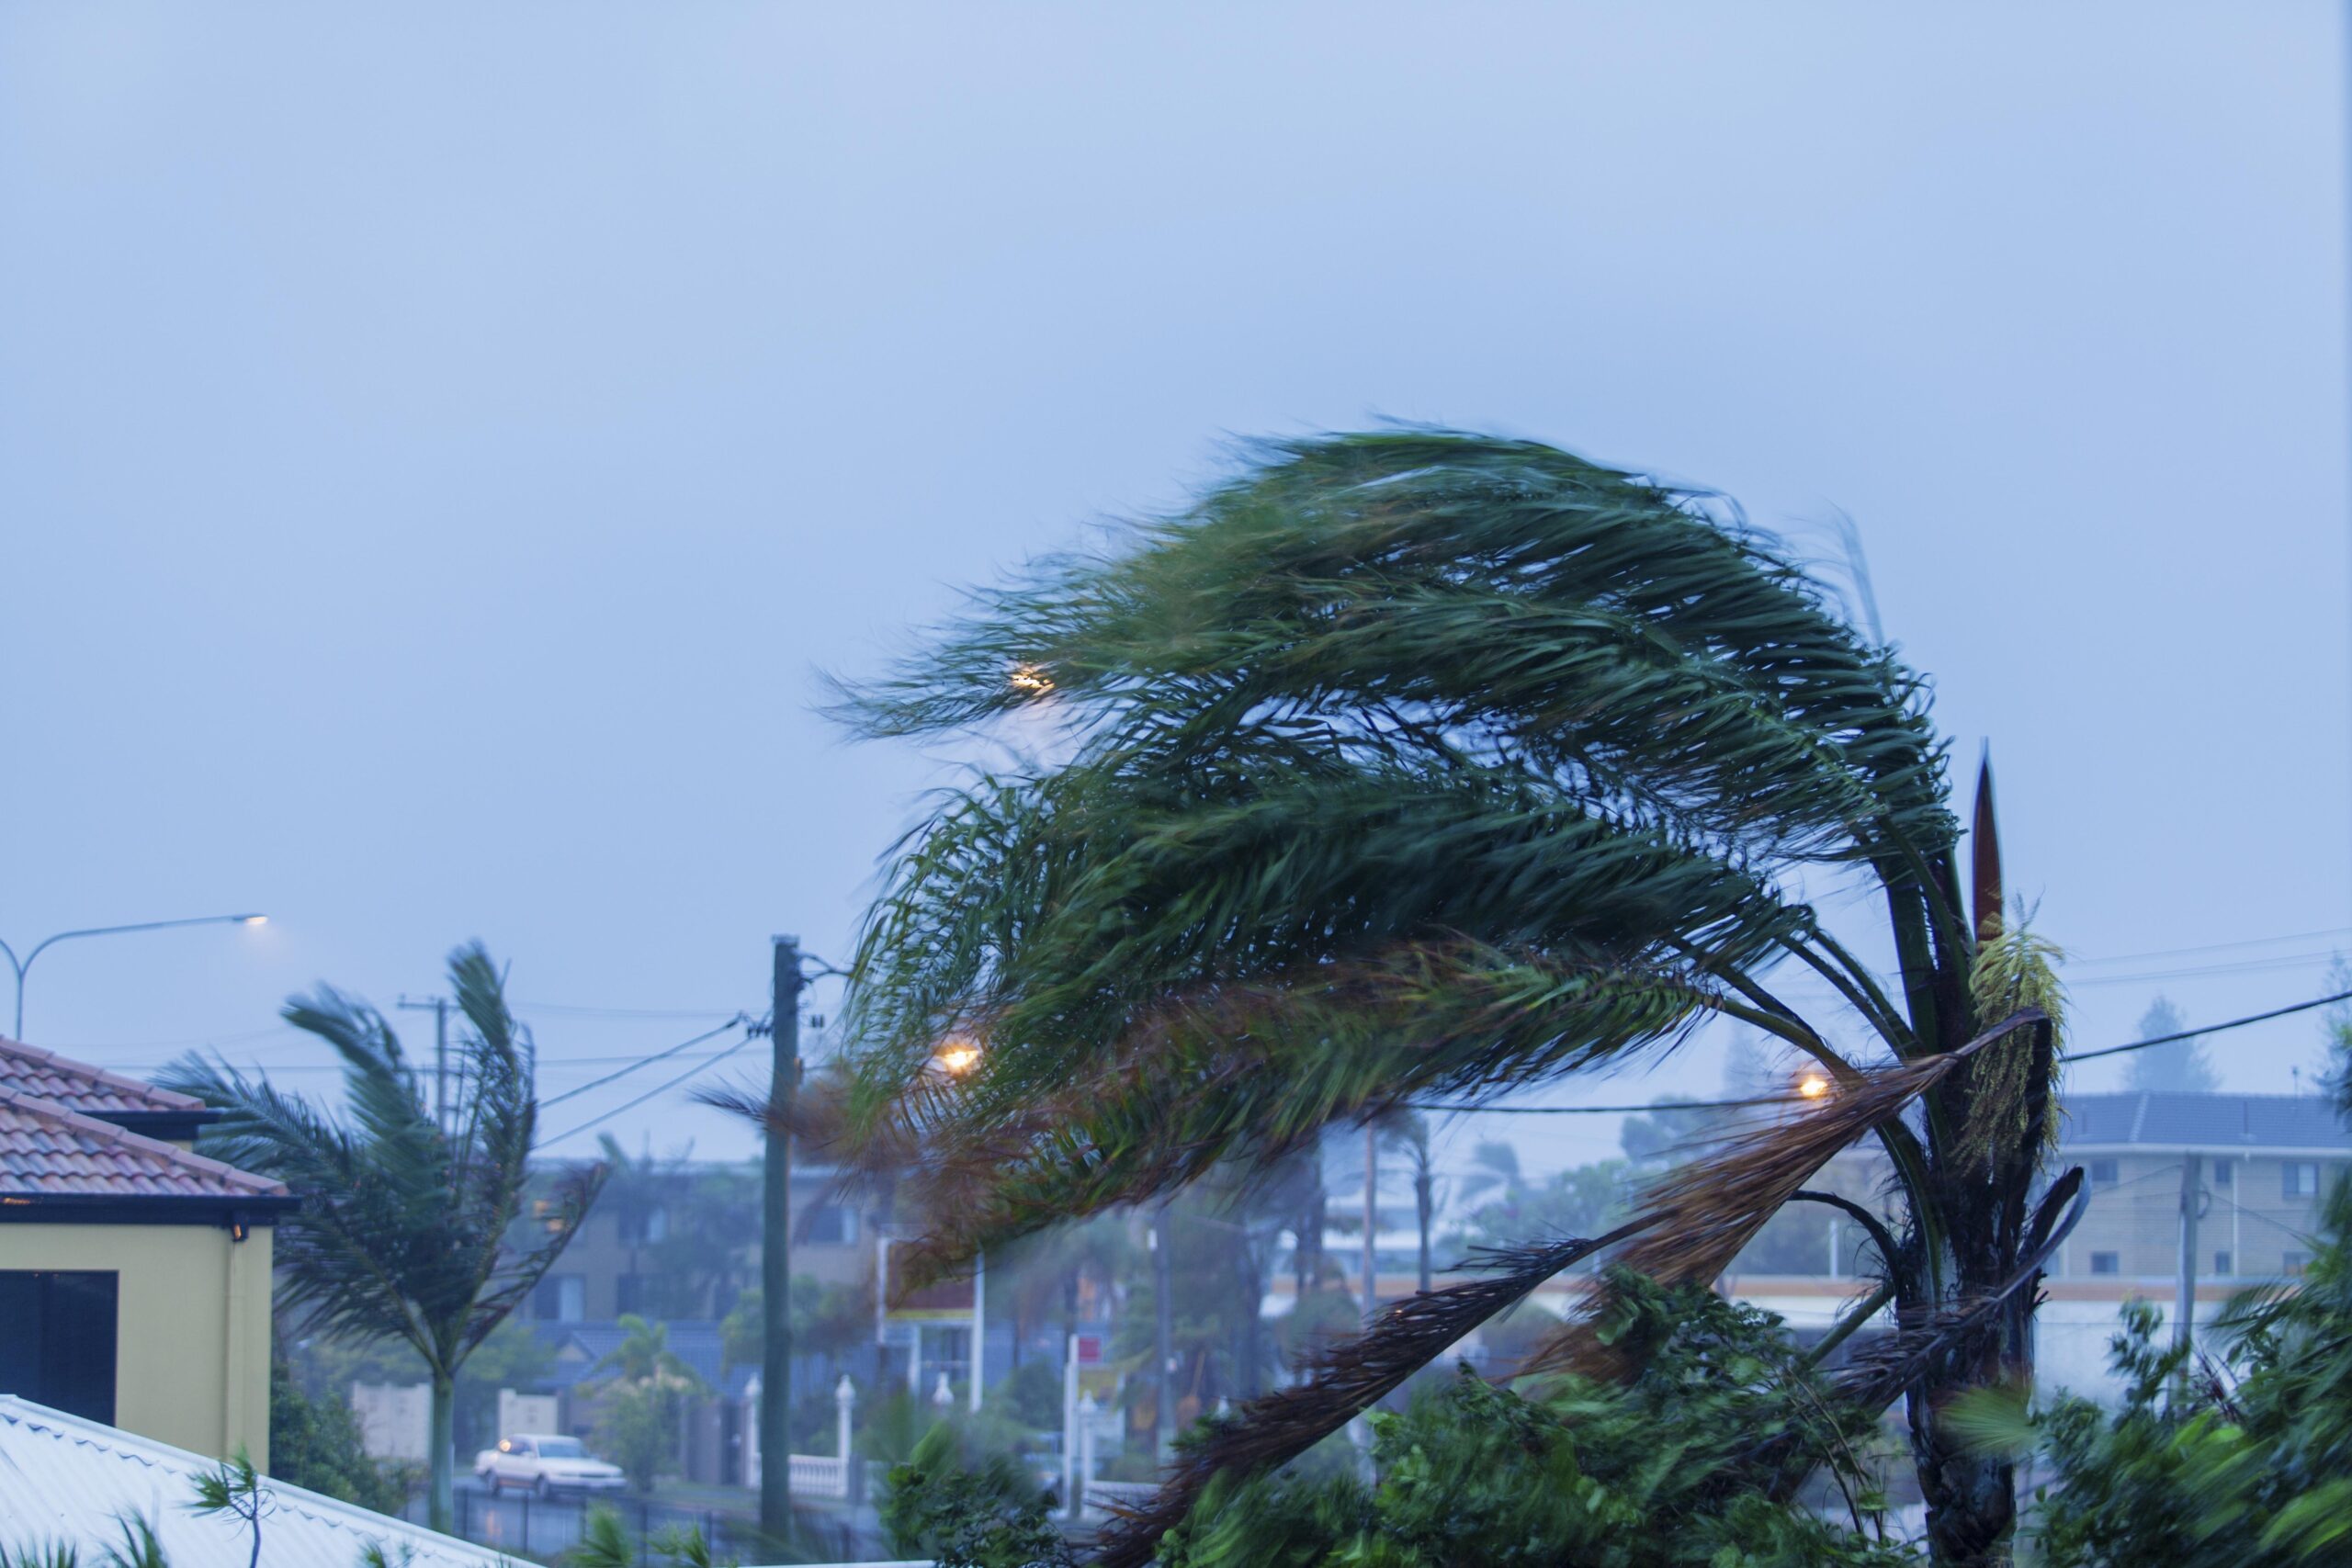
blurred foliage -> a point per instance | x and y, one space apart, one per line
1656 1474
315 1444
637 1429
828 1319
1320 1318
961 1507
2243 1462
325 1368
605 1542
1584 1200
1032 1394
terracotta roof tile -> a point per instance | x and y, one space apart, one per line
45 1075
47 1149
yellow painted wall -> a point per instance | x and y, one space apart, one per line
192 1340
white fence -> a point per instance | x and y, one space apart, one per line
819 1475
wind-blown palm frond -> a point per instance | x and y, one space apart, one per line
1277 1427
1167 928
407 1230
1707 1210
1424 763
1498 596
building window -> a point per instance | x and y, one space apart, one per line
2223 1264
633 1292
2107 1263
2294 1262
2102 1173
2225 1172
830 1224
58 1350
2299 1179
560 1298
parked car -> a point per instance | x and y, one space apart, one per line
545 1463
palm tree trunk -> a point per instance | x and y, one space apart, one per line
440 1500
1971 1498
1424 1199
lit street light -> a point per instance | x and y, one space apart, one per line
21 965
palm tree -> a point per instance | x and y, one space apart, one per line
1419 767
408 1228
1408 1133
644 1355
1493 1171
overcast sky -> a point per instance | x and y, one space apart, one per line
438 446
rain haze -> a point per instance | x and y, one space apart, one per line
441 447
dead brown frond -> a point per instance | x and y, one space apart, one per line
1277 1427
1708 1210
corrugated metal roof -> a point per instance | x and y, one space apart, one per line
65 1479
47 1150
77 1086
2173 1121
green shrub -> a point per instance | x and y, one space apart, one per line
1662 1472
2194 1472
965 1509
315 1444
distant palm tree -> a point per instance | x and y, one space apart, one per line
1494 1173
644 1355
407 1229
1408 1133
1420 766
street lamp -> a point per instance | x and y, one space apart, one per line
21 965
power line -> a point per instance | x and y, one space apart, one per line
661 1089
2201 971
619 1011
2212 947
2210 1029
645 1061
1798 1100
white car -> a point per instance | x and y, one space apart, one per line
545 1463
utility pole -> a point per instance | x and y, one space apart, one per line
1163 1290
2185 1310
776 1248
1371 1222
440 1008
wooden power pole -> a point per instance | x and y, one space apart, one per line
775 1248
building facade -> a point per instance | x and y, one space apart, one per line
681 1241
134 1273
2227 1185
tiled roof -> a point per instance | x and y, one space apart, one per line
2175 1121
45 1075
47 1150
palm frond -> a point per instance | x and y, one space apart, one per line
1242 1076
1497 595
1277 1427
1710 1208
407 1230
